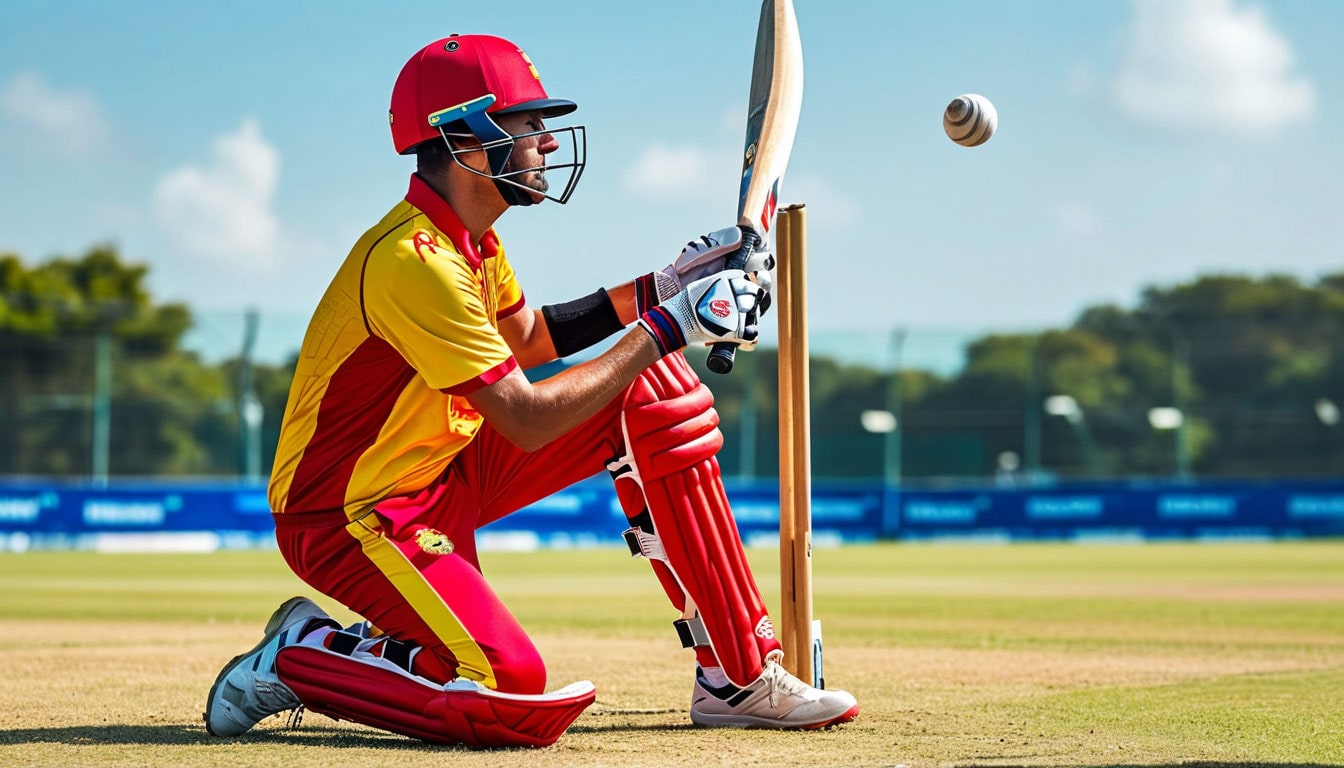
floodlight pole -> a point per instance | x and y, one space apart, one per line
893 438
102 403
250 410
1031 438
891 441
1180 367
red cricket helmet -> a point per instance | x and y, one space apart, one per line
459 69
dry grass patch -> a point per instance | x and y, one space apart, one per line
960 656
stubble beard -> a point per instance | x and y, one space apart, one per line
534 179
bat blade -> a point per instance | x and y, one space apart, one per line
773 106
775 101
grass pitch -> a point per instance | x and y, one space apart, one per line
1009 655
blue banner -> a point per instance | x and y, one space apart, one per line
148 515
1279 509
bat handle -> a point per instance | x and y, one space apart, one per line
721 356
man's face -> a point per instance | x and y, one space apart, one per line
529 153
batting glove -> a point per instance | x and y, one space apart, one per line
705 256
722 307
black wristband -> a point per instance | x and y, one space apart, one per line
581 323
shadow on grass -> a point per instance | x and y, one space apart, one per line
79 735
306 735
631 727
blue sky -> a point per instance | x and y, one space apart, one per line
239 148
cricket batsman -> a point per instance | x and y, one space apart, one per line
410 425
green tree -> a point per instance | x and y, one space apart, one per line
1247 358
166 416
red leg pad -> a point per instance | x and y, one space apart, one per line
672 437
387 697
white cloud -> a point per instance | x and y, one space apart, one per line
664 170
1211 65
222 211
1078 221
38 116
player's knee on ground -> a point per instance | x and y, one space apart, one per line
521 671
518 670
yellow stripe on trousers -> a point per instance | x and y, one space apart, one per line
427 603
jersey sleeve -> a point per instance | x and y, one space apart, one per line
427 303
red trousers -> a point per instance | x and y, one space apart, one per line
379 566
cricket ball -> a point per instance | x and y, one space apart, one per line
970 120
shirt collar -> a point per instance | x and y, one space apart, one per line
444 219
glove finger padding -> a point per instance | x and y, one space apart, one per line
760 261
761 269
704 256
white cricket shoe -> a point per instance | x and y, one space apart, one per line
248 690
776 699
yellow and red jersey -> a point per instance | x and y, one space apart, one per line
407 328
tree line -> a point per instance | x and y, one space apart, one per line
1223 376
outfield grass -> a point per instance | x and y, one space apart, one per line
1049 654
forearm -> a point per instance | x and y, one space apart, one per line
720 308
571 397
623 298
532 340
559 330
573 326
533 415
533 347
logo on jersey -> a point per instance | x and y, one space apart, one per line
765 628
423 239
721 308
433 542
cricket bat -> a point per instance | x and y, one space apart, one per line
773 106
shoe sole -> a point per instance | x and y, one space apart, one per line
748 721
277 622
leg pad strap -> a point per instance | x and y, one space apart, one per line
642 539
692 632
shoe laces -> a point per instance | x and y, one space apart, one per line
295 718
778 682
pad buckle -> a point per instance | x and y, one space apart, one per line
692 632
641 542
